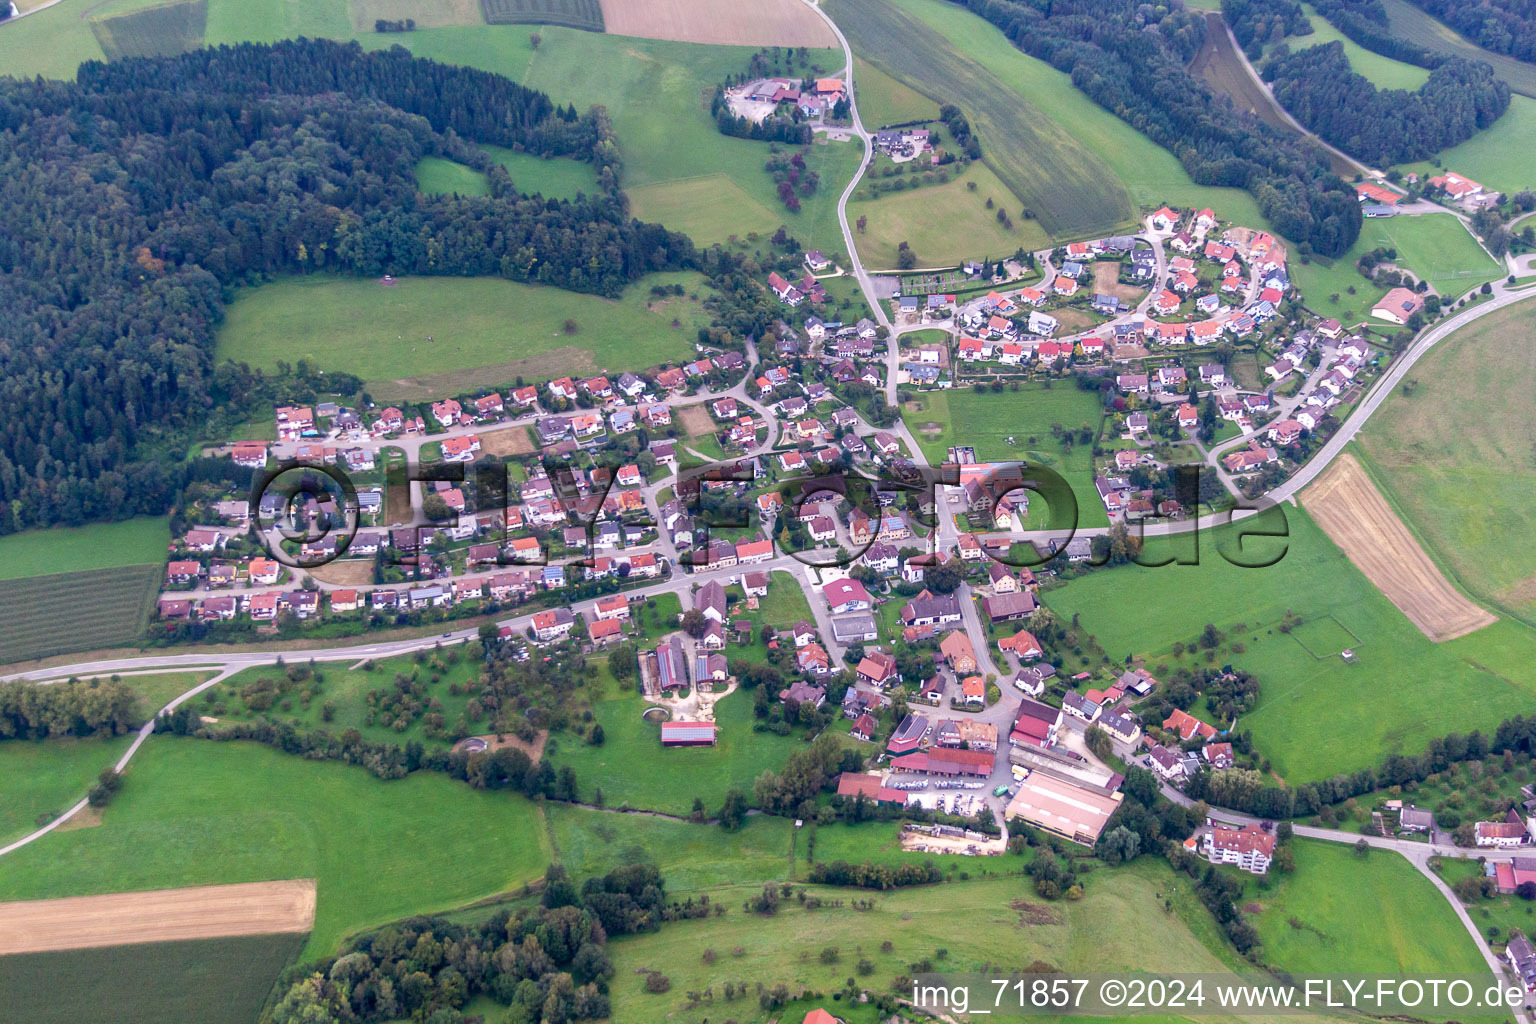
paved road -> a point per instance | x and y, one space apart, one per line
1301 129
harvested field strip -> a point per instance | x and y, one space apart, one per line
584 14
1349 508
39 615
740 23
1219 64
1072 192
157 983
1410 23
164 915
154 32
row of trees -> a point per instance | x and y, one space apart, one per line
219 168
546 963
1386 126
1503 26
1130 58
30 711
1243 790
1365 22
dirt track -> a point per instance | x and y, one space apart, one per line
728 22
165 915
1349 508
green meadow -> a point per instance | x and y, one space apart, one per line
884 100
944 224
556 178
346 690
1384 72
691 856
1493 157
138 541
199 812
1308 926
1465 481
1071 150
986 420
1317 716
985 925
632 769
1436 247
483 331
47 778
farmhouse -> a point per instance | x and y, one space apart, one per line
956 649
947 761
853 785
1188 726
1035 724
909 735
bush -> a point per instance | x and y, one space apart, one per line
657 983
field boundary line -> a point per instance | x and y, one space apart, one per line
144 733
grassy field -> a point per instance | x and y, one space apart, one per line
1434 246
439 176
188 814
39 610
633 769
883 100
1492 157
944 224
590 842
1316 716
1015 85
157 31
1384 72
138 541
47 778
1410 929
657 93
1222 68
347 691
1434 448
497 329
153 983
985 420
719 206
983 925
1409 22
963 60
557 177
153 692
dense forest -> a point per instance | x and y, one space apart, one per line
1365 22
1258 25
139 195
1386 126
1135 68
32 711
1503 26
546 964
